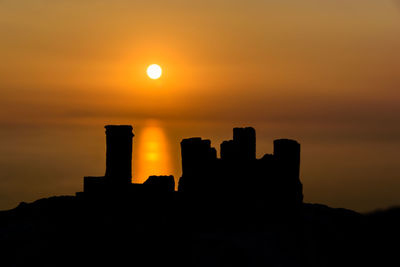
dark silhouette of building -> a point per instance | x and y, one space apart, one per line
237 180
238 175
235 210
117 180
119 153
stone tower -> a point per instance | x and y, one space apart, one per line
119 153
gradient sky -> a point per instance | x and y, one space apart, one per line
325 73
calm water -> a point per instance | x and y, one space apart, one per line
341 171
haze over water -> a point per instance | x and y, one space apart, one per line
324 73
51 160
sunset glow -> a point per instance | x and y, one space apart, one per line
154 153
325 73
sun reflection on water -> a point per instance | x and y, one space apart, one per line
152 153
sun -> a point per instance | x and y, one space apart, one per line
154 71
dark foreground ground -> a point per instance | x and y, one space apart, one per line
172 231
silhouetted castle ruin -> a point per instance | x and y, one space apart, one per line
118 177
237 177
232 210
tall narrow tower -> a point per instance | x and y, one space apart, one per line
119 153
245 142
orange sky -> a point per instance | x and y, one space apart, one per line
323 72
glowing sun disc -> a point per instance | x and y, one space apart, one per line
154 71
